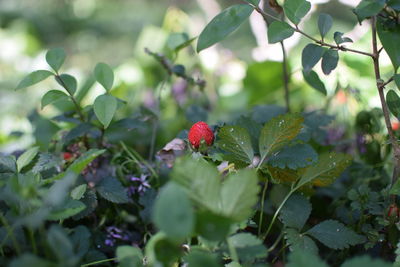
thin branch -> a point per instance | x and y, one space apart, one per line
285 77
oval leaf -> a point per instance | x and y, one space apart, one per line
222 25
295 10
324 24
104 75
330 61
279 31
396 78
53 96
104 107
68 82
27 157
312 79
55 58
33 78
236 140
310 56
390 39
339 39
368 8
393 102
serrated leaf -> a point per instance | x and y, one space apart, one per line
314 81
279 31
78 165
326 170
335 235
330 61
368 8
300 242
283 175
34 78
104 75
310 56
339 39
105 107
69 209
239 194
55 58
53 96
111 189
90 201
223 24
325 22
27 157
393 102
295 212
294 157
78 192
212 226
68 82
248 247
390 39
278 132
201 258
173 213
366 261
236 140
301 258
295 10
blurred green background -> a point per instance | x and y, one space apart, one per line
241 72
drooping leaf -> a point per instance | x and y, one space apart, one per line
390 38
278 132
279 31
104 75
368 8
339 39
249 248
305 258
295 212
111 189
366 261
310 56
393 102
236 140
300 242
295 10
34 78
330 61
68 82
27 157
55 58
294 157
53 96
335 235
325 22
314 81
222 25
105 107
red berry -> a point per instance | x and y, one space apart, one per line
393 211
199 131
67 156
395 125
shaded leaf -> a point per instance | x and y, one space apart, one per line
27 157
81 240
310 56
300 242
294 157
53 96
301 258
295 212
69 209
111 189
68 82
295 10
212 226
8 164
396 78
105 107
314 81
330 61
368 8
129 256
393 102
201 258
339 39
283 175
279 31
366 261
390 39
79 164
249 248
325 22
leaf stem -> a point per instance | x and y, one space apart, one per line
98 262
9 233
232 250
260 221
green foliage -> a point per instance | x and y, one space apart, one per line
365 261
296 211
295 10
279 31
129 256
248 247
393 102
34 78
53 96
310 56
300 242
78 192
396 78
104 75
112 190
105 107
236 140
55 58
26 157
294 157
325 22
390 36
305 258
68 82
330 61
368 8
200 258
339 39
312 79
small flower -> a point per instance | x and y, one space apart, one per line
141 184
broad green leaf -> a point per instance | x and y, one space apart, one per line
46 161
104 75
310 56
295 212
328 168
314 81
300 258
55 58
393 102
160 251
395 4
53 96
68 82
339 39
330 61
173 213
324 24
284 175
78 192
90 201
366 261
278 132
212 226
81 240
61 245
223 24
295 10
105 107
34 78
111 189
300 242
236 140
294 157
202 258
8 164
27 157
129 256
31 260
335 235
368 8
69 209
279 31
248 247
396 78
78 165
390 39
239 194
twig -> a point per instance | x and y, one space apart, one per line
285 77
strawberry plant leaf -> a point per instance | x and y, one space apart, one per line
8 164
295 10
34 78
366 261
69 209
294 157
279 31
212 226
305 258
129 256
110 188
249 248
27 157
87 157
283 175
236 140
295 212
300 242
201 257
55 58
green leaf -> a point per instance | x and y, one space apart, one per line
104 75
27 157
8 164
34 78
90 201
324 24
300 258
236 140
366 261
212 226
81 240
68 82
46 161
330 61
396 78
248 247
53 96
310 56
335 235
55 58
60 244
254 2
279 31
177 41
239 194
395 4
129 256
222 25
201 258
78 192
111 189
30 260
278 132
294 157
295 10
69 209
87 157
328 168
295 212
105 107
314 81
368 8
173 213
300 242
393 102
390 39
339 39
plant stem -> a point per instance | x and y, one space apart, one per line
381 86
260 221
10 233
98 262
33 241
285 77
232 250
78 108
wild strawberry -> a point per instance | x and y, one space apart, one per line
395 125
67 156
200 131
393 212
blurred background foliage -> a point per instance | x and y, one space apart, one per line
241 72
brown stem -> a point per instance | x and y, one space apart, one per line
285 77
78 108
381 86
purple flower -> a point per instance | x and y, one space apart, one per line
141 184
114 234
360 142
